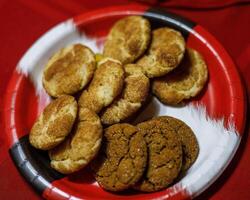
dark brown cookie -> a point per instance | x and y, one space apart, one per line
123 158
165 156
187 137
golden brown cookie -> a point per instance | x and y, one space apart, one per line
105 87
123 158
81 146
69 70
184 82
165 52
54 123
128 39
165 156
187 137
135 92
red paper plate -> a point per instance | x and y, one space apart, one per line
223 98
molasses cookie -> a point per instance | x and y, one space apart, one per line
123 158
165 156
188 140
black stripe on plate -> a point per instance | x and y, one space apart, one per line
33 164
160 17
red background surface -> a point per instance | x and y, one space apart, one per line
24 21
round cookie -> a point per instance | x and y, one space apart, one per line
81 146
54 123
165 156
184 82
123 158
164 54
135 92
128 39
106 85
69 70
190 146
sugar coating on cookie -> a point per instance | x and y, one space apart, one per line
105 86
164 54
69 70
81 146
184 82
122 159
128 39
190 146
135 92
54 123
165 156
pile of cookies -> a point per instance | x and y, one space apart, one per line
95 91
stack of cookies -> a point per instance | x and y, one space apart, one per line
95 91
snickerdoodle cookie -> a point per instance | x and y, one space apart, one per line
69 70
81 146
106 85
164 54
184 82
135 92
128 39
54 123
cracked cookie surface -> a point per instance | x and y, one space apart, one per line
81 146
54 123
69 70
134 94
164 156
190 146
186 81
128 39
122 159
105 86
164 54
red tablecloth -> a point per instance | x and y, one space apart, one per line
23 21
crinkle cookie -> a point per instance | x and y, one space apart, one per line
128 39
164 54
190 146
184 82
135 92
54 123
105 86
81 146
123 158
165 156
69 70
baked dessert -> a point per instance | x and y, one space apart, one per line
164 54
134 94
54 123
81 146
123 158
128 39
69 70
184 82
106 85
164 156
